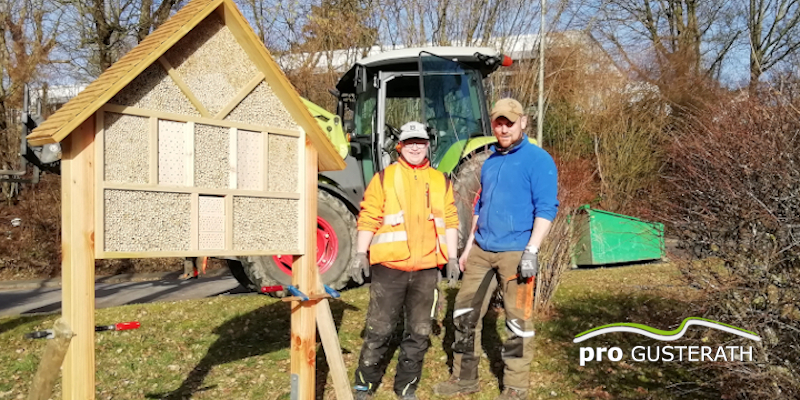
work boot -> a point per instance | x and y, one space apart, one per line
407 396
513 394
455 386
362 395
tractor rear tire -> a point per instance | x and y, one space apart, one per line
261 271
466 184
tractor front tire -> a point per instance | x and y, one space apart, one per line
337 222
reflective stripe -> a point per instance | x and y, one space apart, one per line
460 312
393 219
405 391
442 239
435 300
514 326
439 222
388 237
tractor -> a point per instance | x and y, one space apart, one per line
439 86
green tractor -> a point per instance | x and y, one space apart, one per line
439 86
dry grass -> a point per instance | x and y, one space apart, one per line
238 347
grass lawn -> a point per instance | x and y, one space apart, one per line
237 347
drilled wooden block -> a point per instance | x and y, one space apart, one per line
262 107
153 89
266 224
146 221
283 164
173 154
212 63
250 160
126 148
212 155
211 224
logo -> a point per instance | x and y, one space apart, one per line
667 353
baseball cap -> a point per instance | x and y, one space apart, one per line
508 108
413 130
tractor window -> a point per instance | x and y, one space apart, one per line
365 111
452 102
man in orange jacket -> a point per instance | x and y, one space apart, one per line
409 224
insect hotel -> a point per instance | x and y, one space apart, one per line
192 144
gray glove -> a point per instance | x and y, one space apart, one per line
359 268
452 272
529 265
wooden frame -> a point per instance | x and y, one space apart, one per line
229 193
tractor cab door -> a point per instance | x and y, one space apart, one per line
453 103
398 103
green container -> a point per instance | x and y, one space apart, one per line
608 238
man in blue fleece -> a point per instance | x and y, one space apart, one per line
512 217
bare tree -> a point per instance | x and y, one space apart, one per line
658 38
774 33
28 31
107 29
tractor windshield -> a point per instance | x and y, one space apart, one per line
451 106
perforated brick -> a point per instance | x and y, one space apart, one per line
212 156
283 164
212 63
262 107
126 148
266 224
138 221
153 89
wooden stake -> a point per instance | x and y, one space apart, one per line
333 351
305 277
50 366
77 263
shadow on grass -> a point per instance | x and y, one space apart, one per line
627 378
235 343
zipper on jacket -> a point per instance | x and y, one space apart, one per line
428 195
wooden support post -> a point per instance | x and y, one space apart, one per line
333 351
50 365
77 260
305 278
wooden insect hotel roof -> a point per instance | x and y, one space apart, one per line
153 48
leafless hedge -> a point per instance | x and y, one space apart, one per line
734 186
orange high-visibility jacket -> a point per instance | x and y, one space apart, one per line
409 208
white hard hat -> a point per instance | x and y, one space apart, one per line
413 130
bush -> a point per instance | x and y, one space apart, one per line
734 195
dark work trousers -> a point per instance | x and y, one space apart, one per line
472 301
391 292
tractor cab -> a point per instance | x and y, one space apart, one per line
441 87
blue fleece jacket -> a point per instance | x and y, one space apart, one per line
516 187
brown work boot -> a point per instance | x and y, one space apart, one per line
513 394
455 386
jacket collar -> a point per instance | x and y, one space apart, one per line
523 141
404 163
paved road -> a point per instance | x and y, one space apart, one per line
48 299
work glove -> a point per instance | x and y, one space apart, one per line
452 271
359 268
528 265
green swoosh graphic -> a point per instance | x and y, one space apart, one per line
660 332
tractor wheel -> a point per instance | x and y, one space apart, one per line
336 246
466 184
